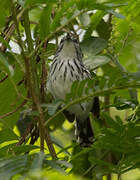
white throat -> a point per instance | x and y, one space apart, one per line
68 50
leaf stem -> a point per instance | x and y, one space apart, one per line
94 94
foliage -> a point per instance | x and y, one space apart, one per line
109 38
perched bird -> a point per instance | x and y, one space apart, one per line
67 67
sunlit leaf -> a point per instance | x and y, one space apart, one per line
45 21
93 46
4 64
96 61
7 135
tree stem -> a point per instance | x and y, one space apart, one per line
32 80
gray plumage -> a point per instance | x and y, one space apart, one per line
67 67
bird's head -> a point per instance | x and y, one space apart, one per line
69 47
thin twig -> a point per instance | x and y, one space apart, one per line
94 94
125 41
94 165
4 78
10 30
52 34
26 133
15 110
43 81
116 61
50 144
29 74
43 86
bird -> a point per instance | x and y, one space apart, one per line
66 68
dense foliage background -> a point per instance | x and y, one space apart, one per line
109 33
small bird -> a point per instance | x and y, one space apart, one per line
67 67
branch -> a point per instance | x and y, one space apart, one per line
116 61
94 94
52 34
43 85
4 79
15 110
29 69
10 30
50 144
31 76
125 41
27 131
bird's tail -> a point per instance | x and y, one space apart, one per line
84 132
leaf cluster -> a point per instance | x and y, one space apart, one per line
108 32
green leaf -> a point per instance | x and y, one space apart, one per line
63 149
55 166
34 2
12 166
109 166
104 29
84 19
65 10
2 20
96 61
118 15
53 106
121 103
5 7
111 122
9 149
10 98
93 46
7 135
45 21
37 161
73 91
4 42
23 149
57 121
94 21
6 150
64 163
5 66
50 49
116 5
90 5
81 87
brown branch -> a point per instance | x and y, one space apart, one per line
15 110
32 80
26 133
43 81
4 79
43 85
31 77
50 144
10 30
